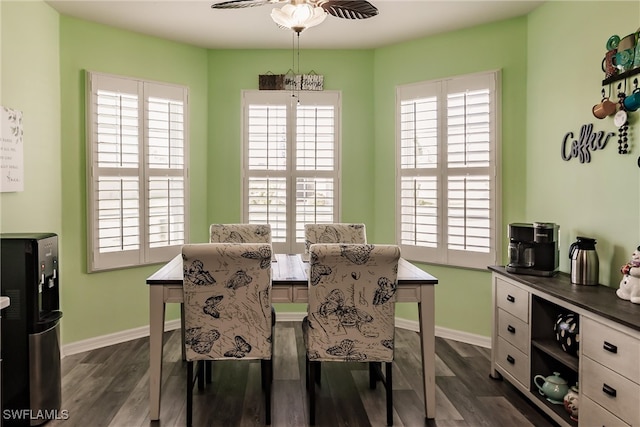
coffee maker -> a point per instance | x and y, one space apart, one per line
533 248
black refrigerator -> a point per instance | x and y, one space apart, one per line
31 378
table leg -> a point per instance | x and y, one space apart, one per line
426 312
156 338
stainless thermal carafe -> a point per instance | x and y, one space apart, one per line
584 261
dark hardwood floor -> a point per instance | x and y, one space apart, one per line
109 387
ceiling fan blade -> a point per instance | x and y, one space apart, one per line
349 9
238 4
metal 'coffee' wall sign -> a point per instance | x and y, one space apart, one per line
587 141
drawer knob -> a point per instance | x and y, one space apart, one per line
511 329
510 359
610 347
511 298
607 389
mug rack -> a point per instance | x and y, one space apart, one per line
621 76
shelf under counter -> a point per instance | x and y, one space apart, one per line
598 299
552 348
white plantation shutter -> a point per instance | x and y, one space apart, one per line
291 165
137 176
165 112
447 170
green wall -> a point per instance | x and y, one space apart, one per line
30 59
550 64
463 297
107 302
350 72
566 45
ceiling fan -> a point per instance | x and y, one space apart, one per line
301 14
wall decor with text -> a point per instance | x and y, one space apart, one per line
11 151
580 146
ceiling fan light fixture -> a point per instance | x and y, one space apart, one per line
298 17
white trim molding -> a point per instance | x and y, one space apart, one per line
450 334
112 339
143 331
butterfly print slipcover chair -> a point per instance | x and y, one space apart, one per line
240 233
351 311
333 233
227 304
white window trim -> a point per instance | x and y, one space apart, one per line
97 261
266 97
441 254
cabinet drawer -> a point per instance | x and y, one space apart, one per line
513 361
613 349
610 390
513 330
592 414
512 299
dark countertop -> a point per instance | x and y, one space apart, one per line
600 300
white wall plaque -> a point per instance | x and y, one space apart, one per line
11 151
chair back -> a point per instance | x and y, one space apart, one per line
227 300
351 307
333 233
240 233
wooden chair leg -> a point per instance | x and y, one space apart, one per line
208 364
306 371
189 393
266 367
312 392
388 383
374 374
318 373
201 374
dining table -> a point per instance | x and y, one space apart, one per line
289 280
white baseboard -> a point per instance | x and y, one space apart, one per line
143 331
465 337
290 317
115 338
450 334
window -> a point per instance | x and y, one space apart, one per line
290 162
137 180
447 146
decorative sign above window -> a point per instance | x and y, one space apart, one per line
291 81
587 141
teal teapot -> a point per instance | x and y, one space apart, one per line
554 387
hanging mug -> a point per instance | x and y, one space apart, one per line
603 109
632 102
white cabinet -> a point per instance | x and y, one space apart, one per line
512 343
610 370
607 365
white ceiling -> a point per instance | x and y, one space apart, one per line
196 23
